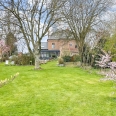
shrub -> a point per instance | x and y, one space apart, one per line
3 59
76 58
73 58
23 59
67 58
114 58
105 62
60 60
54 56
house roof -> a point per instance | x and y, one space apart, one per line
50 50
61 34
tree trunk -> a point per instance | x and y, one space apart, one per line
80 48
37 61
37 57
84 53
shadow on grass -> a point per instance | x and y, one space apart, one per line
112 99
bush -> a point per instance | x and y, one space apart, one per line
54 56
60 60
73 58
3 59
23 59
76 58
67 58
114 59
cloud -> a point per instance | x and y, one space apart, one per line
113 8
110 13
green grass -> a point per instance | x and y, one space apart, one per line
55 91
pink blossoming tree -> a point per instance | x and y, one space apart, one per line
105 61
4 50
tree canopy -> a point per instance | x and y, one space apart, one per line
34 19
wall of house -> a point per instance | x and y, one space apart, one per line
51 42
63 45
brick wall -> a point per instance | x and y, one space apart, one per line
62 45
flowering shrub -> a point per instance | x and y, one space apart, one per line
4 50
6 81
105 61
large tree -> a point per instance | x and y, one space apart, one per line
110 46
83 16
10 41
34 19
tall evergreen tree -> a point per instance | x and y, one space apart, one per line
10 41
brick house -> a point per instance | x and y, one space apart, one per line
66 47
58 46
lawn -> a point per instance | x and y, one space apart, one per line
56 91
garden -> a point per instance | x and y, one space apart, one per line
56 91
81 35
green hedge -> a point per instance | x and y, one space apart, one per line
73 58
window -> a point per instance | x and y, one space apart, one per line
44 55
75 46
42 46
53 45
70 44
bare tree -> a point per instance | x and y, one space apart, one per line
35 18
82 16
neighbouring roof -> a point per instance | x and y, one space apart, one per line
44 45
